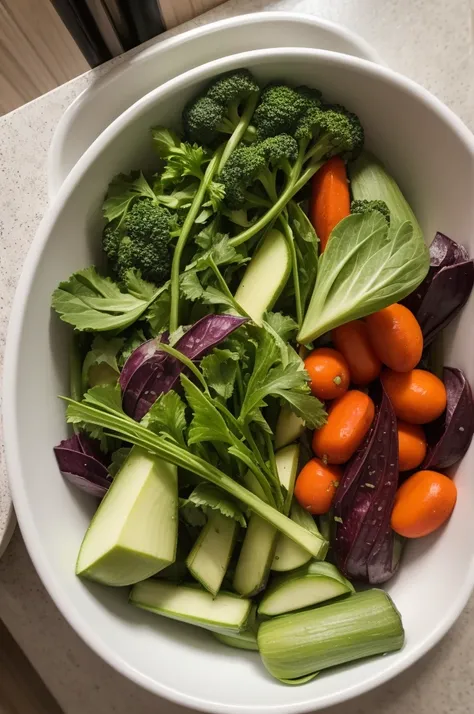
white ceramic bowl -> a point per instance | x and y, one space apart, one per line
431 153
98 105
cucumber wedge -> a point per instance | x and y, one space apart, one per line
287 467
289 428
307 586
289 555
256 555
265 277
243 641
210 555
134 531
192 604
255 559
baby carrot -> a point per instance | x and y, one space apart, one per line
330 199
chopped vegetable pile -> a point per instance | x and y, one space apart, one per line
257 391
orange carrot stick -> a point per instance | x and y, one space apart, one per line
330 200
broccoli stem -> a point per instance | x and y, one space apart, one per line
184 235
240 129
288 233
294 184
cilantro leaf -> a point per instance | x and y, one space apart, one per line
105 396
273 376
216 193
190 285
284 325
134 339
122 191
220 370
100 363
207 423
209 497
182 158
167 417
158 314
90 301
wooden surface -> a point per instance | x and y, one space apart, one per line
21 690
37 52
174 12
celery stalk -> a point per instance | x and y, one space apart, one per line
301 643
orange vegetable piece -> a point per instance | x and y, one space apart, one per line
411 445
396 337
349 419
423 503
316 485
352 340
328 372
418 397
330 199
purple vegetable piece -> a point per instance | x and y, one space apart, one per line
139 355
152 361
90 447
82 463
385 558
364 502
450 435
200 339
446 288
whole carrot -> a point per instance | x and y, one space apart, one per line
330 199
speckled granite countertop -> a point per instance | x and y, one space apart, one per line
431 41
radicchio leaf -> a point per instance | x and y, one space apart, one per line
450 435
162 371
141 368
362 541
446 288
83 464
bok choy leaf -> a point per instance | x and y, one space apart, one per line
365 267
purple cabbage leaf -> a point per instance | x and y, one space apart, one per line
149 372
365 547
446 288
83 464
450 435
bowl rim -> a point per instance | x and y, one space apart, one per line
158 46
10 417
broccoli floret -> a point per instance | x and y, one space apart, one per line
365 206
218 110
281 108
140 241
334 130
257 162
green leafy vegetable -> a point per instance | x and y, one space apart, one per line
365 267
167 417
92 302
220 371
270 378
158 314
100 363
125 428
208 497
123 190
